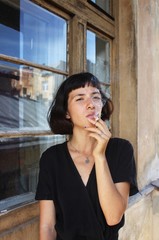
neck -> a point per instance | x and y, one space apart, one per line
82 153
84 146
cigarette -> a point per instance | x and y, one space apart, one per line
97 118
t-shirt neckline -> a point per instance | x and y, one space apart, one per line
76 170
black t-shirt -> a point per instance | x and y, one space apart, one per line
78 212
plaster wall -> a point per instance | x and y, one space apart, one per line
142 218
139 104
127 73
138 74
138 225
147 35
155 212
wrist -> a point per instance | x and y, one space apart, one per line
99 156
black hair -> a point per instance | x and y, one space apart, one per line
57 120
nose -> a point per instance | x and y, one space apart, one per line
90 103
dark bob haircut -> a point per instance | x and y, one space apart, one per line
57 120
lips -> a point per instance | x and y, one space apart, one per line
92 116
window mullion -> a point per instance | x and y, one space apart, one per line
77 45
31 64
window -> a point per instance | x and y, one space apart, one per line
23 96
19 162
103 5
45 86
98 59
33 63
34 34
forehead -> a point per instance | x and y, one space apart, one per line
84 91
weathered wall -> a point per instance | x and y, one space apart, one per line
140 40
138 74
127 73
142 218
155 213
125 81
147 35
140 214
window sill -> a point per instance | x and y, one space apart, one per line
16 201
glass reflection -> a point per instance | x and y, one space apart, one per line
98 59
32 33
25 96
22 155
103 4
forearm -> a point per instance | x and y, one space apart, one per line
112 202
47 233
47 220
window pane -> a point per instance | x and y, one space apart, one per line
32 33
98 58
25 96
103 4
22 155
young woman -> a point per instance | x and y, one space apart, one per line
84 183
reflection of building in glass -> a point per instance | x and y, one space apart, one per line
37 84
9 81
25 96
29 82
44 84
26 76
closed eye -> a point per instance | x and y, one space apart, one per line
96 97
79 99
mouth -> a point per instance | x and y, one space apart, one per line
93 116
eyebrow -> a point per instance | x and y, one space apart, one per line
82 94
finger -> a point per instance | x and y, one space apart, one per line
105 136
97 122
100 137
101 133
102 127
97 137
103 123
94 130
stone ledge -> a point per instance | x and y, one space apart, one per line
144 192
155 183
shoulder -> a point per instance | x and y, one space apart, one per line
122 163
119 154
119 140
118 150
54 148
51 153
120 143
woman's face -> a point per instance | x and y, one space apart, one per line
84 103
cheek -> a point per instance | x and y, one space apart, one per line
78 115
99 107
74 112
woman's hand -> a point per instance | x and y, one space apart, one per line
101 133
113 198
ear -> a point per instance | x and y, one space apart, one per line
67 115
